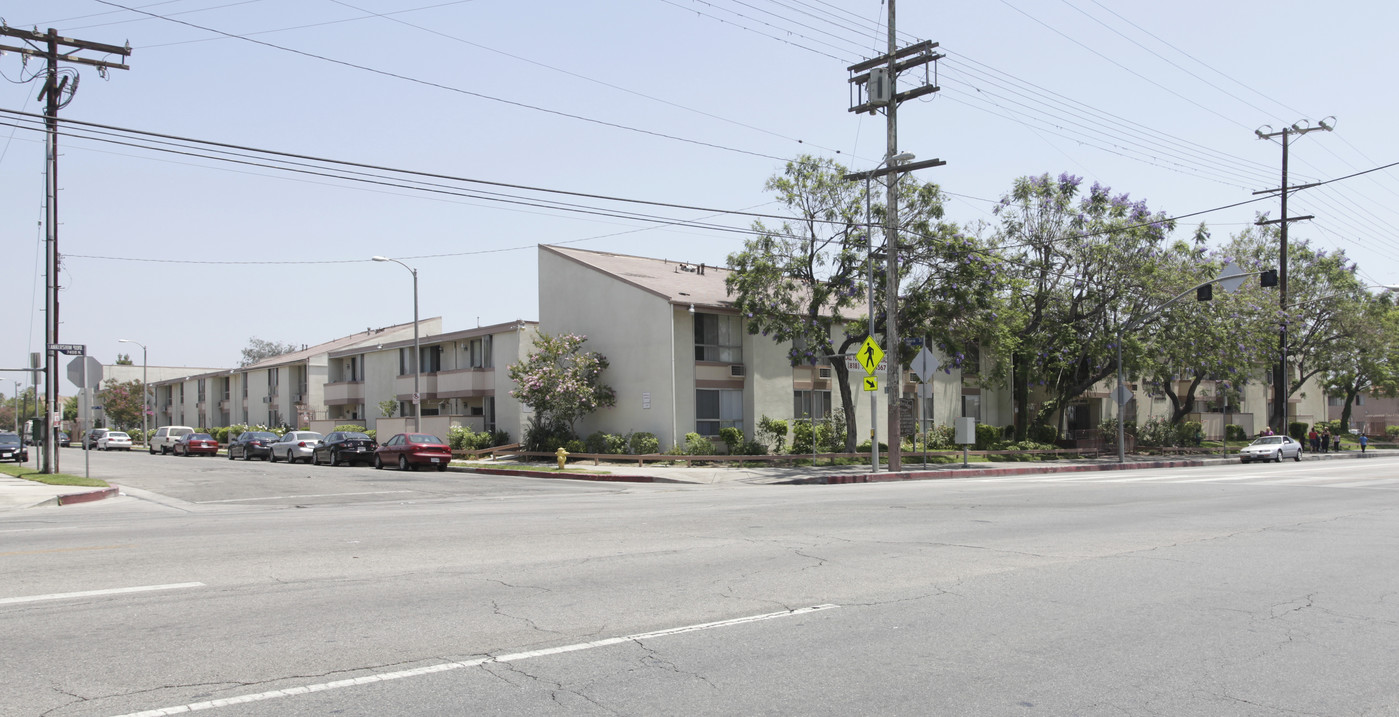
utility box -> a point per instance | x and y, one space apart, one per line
965 431
879 89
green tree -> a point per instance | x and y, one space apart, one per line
1365 358
70 408
258 350
388 407
121 402
560 381
1225 339
1082 266
1322 290
123 359
797 282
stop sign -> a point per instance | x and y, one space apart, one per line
94 372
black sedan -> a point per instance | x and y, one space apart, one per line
342 447
252 444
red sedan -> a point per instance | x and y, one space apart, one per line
412 450
196 444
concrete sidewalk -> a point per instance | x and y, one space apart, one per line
827 475
18 493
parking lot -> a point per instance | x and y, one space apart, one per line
205 481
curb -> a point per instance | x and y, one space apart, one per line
87 497
571 477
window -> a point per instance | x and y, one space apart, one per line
480 353
272 379
352 368
811 404
405 361
971 407
718 408
200 383
432 359
718 338
227 387
490 413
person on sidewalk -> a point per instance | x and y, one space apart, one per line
1364 441
1314 439
1325 440
1336 445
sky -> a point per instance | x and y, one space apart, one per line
644 127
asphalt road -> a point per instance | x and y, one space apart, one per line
1238 590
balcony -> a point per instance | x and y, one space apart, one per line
464 383
346 392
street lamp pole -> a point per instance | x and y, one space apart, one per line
144 436
417 349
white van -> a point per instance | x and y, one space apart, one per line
165 438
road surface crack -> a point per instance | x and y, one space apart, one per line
653 659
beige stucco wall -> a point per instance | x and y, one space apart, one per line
632 328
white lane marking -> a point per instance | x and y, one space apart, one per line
446 666
97 593
288 497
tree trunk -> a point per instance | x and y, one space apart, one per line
847 400
1020 394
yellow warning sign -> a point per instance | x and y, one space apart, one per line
869 356
871 383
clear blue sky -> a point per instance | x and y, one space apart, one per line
675 101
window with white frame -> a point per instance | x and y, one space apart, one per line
479 353
432 359
718 338
717 408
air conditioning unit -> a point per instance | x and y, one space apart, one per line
736 369
823 372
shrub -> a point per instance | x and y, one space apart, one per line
600 442
1157 432
597 442
644 443
1391 431
1235 432
865 448
773 433
697 445
349 427
1021 446
988 435
575 446
732 438
1298 430
499 437
462 438
373 434
547 436
1190 433
1038 433
801 437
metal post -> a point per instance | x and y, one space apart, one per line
869 291
417 349
891 239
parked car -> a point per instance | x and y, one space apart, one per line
344 447
410 450
1271 448
91 437
63 441
196 444
294 446
252 444
114 441
164 438
12 448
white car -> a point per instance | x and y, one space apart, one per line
114 441
294 446
1271 448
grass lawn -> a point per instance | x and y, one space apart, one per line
33 474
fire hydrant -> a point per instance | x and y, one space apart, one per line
562 455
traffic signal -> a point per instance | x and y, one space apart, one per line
1268 278
1204 293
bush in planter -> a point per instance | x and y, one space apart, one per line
1235 432
697 445
575 446
644 443
987 435
1039 433
547 436
732 438
773 433
1298 430
1190 433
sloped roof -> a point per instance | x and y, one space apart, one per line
677 282
340 343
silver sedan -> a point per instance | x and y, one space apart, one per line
294 446
1271 448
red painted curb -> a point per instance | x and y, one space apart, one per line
89 496
568 476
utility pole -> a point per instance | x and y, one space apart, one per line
56 86
1278 416
877 81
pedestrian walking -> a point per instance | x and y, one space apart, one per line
1364 441
1325 440
1337 445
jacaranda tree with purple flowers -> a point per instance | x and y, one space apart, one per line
1084 263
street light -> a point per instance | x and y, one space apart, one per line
417 351
144 436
